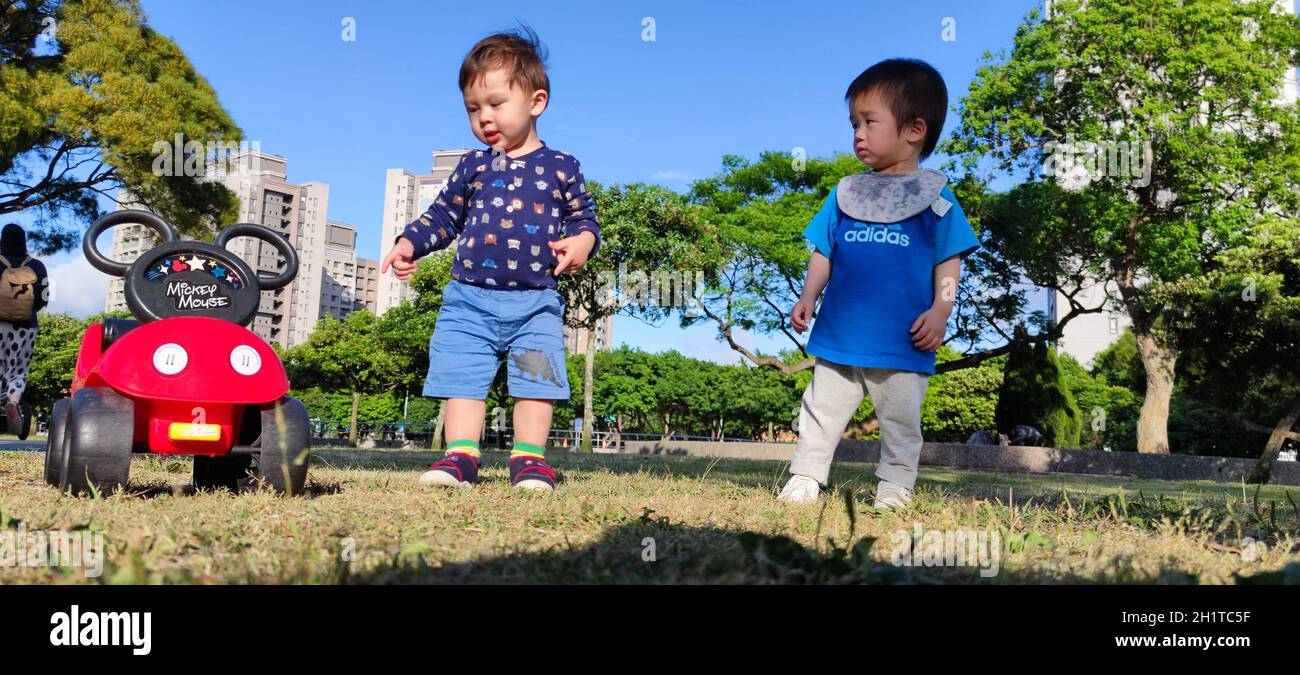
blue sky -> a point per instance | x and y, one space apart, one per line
719 78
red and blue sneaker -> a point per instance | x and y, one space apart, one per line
455 469
528 472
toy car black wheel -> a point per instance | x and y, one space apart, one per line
222 472
55 451
285 450
101 425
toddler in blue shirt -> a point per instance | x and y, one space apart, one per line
895 237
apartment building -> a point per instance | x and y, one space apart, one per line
348 282
406 195
298 212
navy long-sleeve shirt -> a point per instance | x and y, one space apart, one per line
501 211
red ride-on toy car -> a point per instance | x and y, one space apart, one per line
186 378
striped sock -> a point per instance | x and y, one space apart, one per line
527 449
464 447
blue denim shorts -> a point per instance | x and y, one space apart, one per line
478 327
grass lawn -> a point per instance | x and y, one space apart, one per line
366 520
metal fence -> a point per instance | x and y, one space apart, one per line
495 437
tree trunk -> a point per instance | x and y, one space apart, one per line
618 432
352 425
435 443
587 382
1264 467
1153 422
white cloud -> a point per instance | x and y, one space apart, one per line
75 287
706 345
674 175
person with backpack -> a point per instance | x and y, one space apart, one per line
23 292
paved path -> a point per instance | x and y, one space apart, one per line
33 444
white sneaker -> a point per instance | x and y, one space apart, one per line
889 495
799 490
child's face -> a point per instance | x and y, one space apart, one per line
501 115
877 140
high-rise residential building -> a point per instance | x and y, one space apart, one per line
298 212
575 339
129 241
1088 334
348 282
406 196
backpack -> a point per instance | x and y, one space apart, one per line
17 291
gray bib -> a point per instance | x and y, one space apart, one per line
891 197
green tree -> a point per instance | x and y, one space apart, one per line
647 232
1217 399
757 213
1120 364
623 391
1109 411
88 92
342 355
1197 83
1240 333
404 332
676 385
755 401
54 358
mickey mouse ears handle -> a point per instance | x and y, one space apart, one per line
108 265
271 237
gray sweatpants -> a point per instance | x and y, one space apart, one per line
829 403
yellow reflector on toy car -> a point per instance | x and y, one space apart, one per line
184 431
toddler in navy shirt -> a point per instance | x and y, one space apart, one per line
520 215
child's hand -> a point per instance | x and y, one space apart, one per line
928 329
801 315
572 252
400 257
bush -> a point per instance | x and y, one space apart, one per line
1034 393
959 403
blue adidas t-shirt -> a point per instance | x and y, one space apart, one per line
882 278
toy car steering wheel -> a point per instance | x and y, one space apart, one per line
190 278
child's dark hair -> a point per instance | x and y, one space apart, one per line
914 89
520 51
